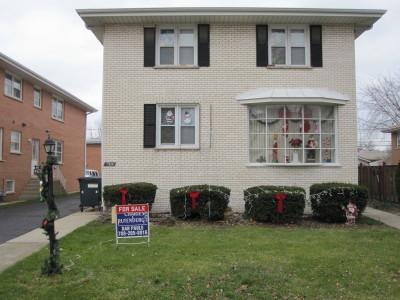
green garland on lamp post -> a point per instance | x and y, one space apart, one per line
45 174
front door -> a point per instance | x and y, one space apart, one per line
35 156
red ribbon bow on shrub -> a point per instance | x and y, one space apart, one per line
279 197
194 197
123 192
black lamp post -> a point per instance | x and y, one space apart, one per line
45 174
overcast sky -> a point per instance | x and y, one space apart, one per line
49 37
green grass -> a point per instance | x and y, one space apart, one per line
200 261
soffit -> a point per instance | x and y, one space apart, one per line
95 19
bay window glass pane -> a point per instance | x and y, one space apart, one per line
295 141
186 55
294 111
328 156
167 38
167 134
327 126
294 126
275 111
188 135
276 141
257 141
257 112
278 55
328 141
188 117
168 116
257 126
311 111
312 156
276 126
186 37
327 112
298 56
166 55
257 155
294 156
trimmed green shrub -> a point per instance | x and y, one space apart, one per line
261 205
138 192
211 204
328 199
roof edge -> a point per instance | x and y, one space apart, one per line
46 83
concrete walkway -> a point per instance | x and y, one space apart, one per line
384 217
18 248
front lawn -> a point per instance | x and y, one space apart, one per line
201 261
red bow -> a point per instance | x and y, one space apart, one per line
194 197
279 197
123 192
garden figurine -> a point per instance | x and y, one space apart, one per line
351 211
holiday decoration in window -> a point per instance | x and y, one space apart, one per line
295 142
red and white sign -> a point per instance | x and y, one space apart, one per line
132 208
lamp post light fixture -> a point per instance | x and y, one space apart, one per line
45 174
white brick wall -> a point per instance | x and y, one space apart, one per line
223 155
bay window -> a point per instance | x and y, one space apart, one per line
177 126
292 133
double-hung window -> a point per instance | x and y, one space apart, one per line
288 46
292 133
37 97
15 146
177 45
10 186
57 109
13 86
177 126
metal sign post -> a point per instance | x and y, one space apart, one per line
132 222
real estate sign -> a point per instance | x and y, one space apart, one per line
132 222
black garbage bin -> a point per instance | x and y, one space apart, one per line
90 192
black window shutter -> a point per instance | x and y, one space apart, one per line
149 129
203 44
262 45
149 47
316 45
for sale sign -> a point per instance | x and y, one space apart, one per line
132 221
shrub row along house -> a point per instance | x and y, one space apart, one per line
30 105
235 97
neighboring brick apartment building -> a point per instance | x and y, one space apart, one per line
229 96
30 105
93 154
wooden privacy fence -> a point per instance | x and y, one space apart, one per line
380 181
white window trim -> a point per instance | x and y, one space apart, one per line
176 29
14 77
1 143
57 99
288 46
13 186
19 142
36 88
336 163
177 144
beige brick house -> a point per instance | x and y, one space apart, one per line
29 105
229 96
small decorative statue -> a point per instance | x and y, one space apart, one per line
311 145
351 211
